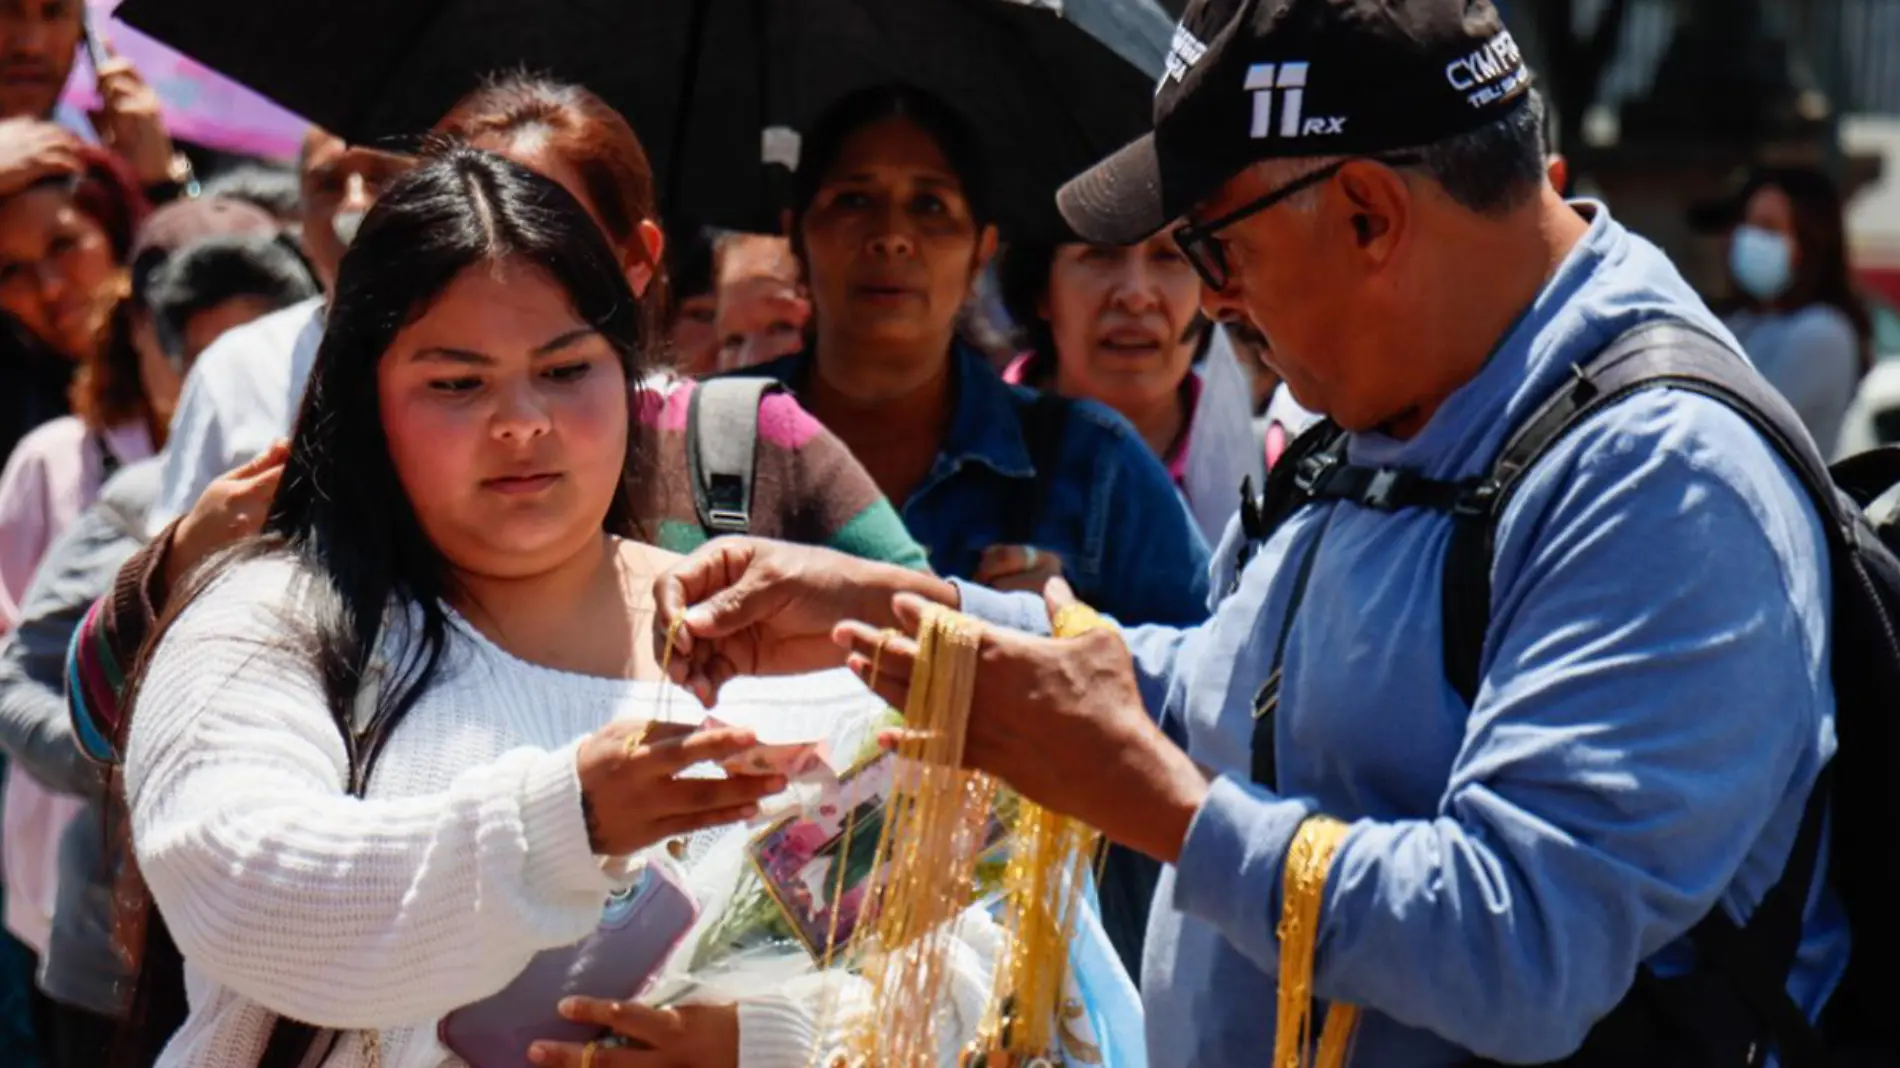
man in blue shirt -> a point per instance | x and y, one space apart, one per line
1365 184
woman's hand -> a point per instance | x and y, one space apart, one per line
748 606
232 508
691 1036
632 795
1018 567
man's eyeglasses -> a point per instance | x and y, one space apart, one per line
1208 253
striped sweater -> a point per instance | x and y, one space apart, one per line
807 488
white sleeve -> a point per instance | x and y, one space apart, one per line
24 506
343 912
195 450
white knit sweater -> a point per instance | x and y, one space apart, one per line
287 895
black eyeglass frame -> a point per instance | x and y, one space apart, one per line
1203 249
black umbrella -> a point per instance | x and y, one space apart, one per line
709 84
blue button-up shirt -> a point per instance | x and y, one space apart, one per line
1112 512
1654 708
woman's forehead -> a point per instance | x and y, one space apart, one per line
38 209
891 146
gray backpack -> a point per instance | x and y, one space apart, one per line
722 444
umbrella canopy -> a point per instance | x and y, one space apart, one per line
717 89
199 104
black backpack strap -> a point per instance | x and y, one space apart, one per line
1652 355
1319 446
108 460
722 439
1319 449
1868 476
1043 422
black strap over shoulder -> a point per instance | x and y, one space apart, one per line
1654 355
1043 423
1318 449
722 439
108 460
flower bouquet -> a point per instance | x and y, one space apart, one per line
781 901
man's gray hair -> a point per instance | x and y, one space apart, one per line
1489 170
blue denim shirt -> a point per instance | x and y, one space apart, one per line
1127 546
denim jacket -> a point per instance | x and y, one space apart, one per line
1127 546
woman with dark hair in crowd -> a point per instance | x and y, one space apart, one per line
64 243
1800 319
448 610
807 487
891 218
1122 326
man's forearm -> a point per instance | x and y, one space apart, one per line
879 584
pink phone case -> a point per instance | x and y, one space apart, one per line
638 931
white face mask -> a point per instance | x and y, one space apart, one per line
345 224
1762 262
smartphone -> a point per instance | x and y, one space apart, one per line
96 52
639 930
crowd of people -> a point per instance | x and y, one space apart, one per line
351 519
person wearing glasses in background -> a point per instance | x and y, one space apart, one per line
1517 858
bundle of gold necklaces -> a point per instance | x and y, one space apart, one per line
936 818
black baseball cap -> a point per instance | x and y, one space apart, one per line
1250 80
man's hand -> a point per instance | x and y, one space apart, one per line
748 606
131 124
1062 721
31 151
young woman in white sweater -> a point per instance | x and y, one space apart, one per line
387 752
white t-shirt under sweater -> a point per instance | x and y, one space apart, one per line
286 895
239 396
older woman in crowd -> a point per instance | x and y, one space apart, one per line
891 217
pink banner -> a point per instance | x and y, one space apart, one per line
200 104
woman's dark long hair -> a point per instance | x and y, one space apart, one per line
1022 277
341 512
1823 274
